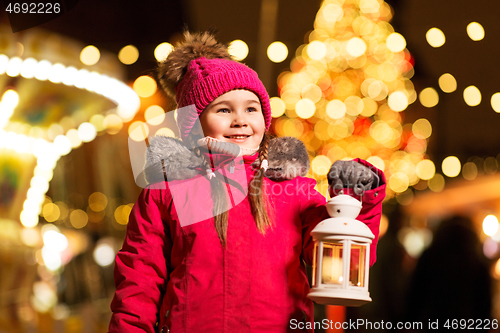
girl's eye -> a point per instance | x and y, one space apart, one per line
252 109
223 110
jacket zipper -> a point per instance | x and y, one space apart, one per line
165 326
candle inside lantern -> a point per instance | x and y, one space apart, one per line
332 272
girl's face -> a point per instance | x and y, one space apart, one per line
236 117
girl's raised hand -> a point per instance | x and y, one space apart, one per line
352 175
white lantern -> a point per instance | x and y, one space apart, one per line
341 255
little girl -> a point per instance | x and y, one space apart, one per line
218 240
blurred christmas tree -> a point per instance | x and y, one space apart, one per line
346 92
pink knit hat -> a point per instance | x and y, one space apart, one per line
200 70
207 79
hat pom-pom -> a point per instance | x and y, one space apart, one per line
171 71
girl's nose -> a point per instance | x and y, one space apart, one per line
239 120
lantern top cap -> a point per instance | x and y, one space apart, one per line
343 206
343 210
339 228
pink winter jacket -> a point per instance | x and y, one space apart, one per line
172 276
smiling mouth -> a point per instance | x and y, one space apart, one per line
236 136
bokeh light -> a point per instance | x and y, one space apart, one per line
128 54
63 209
95 217
398 101
28 219
57 73
490 225
422 128
435 37
425 169
321 165
398 182
138 131
332 12
54 131
305 108
396 42
51 259
312 92
495 102
278 107
113 123
104 253
490 165
10 99
78 218
145 86
316 50
98 121
496 270
293 127
490 248
28 68
54 240
405 198
469 171
336 109
44 296
384 224
429 97
165 131
415 240
154 115
90 55
369 107
475 31
451 166
87 132
74 138
51 212
381 131
377 162
69 76
472 96
277 52
436 183
238 49
97 201
447 83
356 47
162 51
42 70
122 213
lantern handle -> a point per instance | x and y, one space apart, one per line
361 189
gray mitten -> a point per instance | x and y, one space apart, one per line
351 174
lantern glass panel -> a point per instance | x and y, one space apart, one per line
315 263
357 266
332 269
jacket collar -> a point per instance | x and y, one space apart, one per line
287 157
